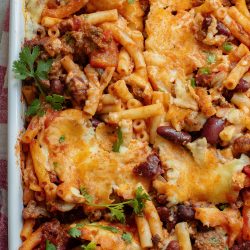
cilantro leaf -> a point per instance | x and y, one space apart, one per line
90 246
211 58
49 245
193 82
127 237
35 108
86 195
62 139
119 141
117 212
74 232
131 1
227 46
55 101
108 228
24 67
42 69
138 203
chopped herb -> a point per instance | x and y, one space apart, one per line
193 82
226 248
108 228
214 240
223 206
35 108
86 195
204 71
90 246
69 39
74 232
25 67
160 89
62 139
55 101
227 46
119 141
49 245
211 58
117 209
127 237
131 1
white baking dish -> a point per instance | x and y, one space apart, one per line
15 125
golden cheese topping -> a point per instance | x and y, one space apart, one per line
209 181
70 148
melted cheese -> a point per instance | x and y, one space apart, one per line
172 36
82 161
187 180
33 11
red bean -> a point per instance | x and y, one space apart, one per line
185 213
246 170
161 199
150 168
168 217
222 29
206 22
173 245
243 86
204 80
179 137
56 86
212 129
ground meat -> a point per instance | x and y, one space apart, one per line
204 80
241 145
211 240
55 234
33 211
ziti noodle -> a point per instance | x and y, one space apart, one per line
137 125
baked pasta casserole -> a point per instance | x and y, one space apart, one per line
137 128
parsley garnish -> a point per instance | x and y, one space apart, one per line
119 141
131 1
35 108
62 139
223 206
25 67
227 46
86 195
204 71
127 237
214 240
193 82
108 228
55 101
211 58
117 209
74 232
49 245
90 246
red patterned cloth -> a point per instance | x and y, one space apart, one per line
4 36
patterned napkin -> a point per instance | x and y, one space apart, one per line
4 36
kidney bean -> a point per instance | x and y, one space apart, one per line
56 86
246 170
173 245
168 217
206 22
212 129
161 199
179 137
222 29
185 213
243 86
150 168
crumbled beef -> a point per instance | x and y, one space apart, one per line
34 211
241 145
